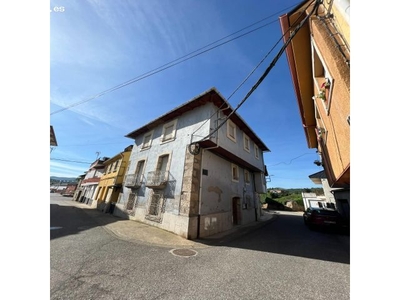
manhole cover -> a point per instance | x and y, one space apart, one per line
184 252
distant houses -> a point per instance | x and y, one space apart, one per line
64 188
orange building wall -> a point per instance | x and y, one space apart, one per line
336 125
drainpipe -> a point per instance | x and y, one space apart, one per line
200 192
254 194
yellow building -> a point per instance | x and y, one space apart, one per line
319 62
110 186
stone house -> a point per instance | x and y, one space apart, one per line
195 171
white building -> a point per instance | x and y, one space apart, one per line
88 186
195 171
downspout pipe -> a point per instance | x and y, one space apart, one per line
200 192
254 195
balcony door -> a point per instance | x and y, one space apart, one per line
162 164
139 170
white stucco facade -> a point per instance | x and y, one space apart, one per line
205 193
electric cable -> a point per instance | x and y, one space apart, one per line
74 161
153 72
255 86
282 162
171 64
244 81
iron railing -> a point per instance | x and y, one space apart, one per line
134 180
157 179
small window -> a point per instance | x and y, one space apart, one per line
231 133
116 165
246 143
235 173
147 139
256 151
169 131
246 177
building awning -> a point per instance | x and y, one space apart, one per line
53 140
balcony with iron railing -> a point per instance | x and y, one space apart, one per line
134 181
157 179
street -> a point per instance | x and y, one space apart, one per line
282 259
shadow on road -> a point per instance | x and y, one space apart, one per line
67 220
284 234
287 235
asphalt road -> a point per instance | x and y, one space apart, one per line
280 260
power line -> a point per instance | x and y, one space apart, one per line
74 161
255 86
115 143
174 62
153 72
282 162
239 86
244 81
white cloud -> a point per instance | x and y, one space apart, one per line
66 170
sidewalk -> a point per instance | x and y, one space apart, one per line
135 231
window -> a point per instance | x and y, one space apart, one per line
131 203
235 173
246 177
116 165
322 79
162 163
160 176
256 151
147 140
155 207
139 168
169 131
136 179
231 133
320 128
246 143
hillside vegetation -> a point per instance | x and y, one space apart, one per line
282 196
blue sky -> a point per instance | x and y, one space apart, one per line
92 49
96 45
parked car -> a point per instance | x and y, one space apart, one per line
315 217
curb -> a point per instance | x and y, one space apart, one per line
142 233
